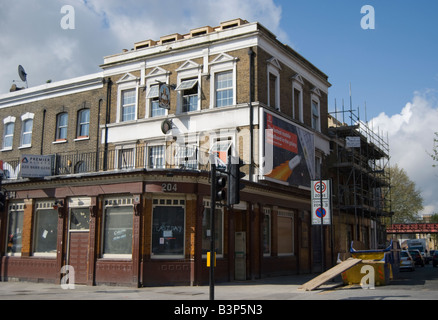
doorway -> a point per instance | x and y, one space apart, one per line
78 243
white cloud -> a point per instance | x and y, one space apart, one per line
411 135
31 33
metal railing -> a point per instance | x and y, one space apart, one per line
173 156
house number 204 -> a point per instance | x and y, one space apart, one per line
169 187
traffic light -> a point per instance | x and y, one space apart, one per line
2 201
221 182
2 194
234 183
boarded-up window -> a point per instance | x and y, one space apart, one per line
285 231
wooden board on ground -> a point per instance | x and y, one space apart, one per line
330 274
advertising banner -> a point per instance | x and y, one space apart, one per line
36 166
289 151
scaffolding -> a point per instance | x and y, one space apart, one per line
360 163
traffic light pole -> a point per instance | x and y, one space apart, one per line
212 228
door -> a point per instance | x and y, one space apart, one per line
78 255
240 256
78 243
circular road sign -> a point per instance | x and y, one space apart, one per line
318 212
318 188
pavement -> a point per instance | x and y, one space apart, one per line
275 288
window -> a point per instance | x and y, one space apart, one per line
126 158
272 90
156 157
26 134
79 219
186 157
8 136
128 105
189 92
61 126
117 232
222 149
285 231
83 123
46 230
15 229
315 115
273 83
156 111
297 104
297 97
223 70
206 230
168 231
224 89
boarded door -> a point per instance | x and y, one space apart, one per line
240 256
78 255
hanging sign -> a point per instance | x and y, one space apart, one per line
164 96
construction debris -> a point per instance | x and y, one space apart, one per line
330 274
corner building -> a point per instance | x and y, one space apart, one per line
127 197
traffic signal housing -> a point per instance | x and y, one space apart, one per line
235 181
2 194
221 183
2 201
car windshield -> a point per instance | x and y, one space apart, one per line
404 254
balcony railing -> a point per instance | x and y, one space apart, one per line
174 156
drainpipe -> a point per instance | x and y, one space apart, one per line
251 112
97 136
42 132
109 83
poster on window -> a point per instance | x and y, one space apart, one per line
289 151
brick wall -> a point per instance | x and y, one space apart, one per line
44 124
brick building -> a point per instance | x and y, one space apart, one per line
127 199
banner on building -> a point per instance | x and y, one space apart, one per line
35 166
289 151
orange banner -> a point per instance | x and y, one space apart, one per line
280 137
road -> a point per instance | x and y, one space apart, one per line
421 284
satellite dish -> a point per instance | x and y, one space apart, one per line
22 73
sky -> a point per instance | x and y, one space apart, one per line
385 57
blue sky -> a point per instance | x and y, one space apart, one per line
385 66
393 69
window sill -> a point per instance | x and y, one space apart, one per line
25 147
6 149
59 141
82 138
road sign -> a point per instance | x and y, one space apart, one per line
321 190
318 188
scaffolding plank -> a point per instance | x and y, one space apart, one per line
330 274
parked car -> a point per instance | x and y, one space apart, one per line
418 258
406 261
435 258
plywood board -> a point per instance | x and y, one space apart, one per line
330 274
